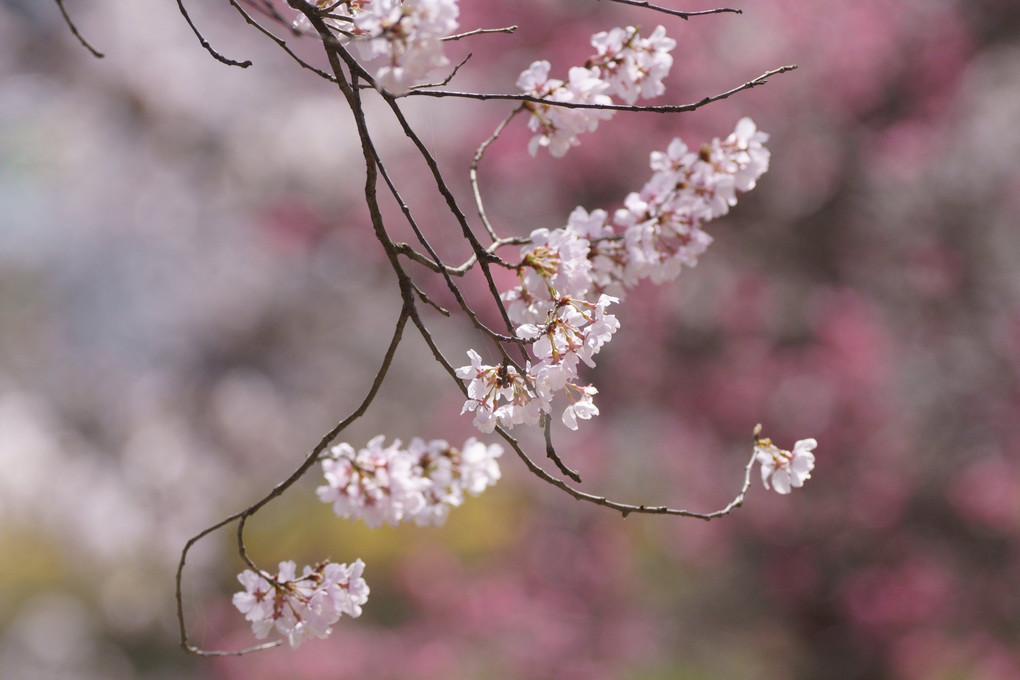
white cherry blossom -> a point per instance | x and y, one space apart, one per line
633 66
406 35
420 483
558 126
785 469
301 607
376 484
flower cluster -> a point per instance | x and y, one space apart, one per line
406 34
785 469
301 607
568 277
662 224
559 126
632 66
574 330
625 65
389 484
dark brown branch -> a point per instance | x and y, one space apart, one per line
74 31
674 108
446 81
436 261
677 13
429 301
410 253
550 451
451 202
205 43
281 43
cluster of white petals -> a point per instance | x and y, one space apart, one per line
389 484
625 65
632 66
568 277
305 606
558 126
662 225
498 395
554 265
405 34
785 469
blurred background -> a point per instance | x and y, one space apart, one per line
190 296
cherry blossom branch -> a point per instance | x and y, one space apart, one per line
677 13
562 323
74 31
626 509
336 53
668 108
313 456
267 8
454 208
429 301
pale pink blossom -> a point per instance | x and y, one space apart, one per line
405 35
785 469
376 484
301 607
633 66
558 126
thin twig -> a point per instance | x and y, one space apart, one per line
267 8
281 43
669 108
205 43
678 13
550 451
447 79
473 171
429 301
74 31
626 508
410 253
480 31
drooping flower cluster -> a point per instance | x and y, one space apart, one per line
301 607
389 484
785 469
568 277
406 34
625 65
